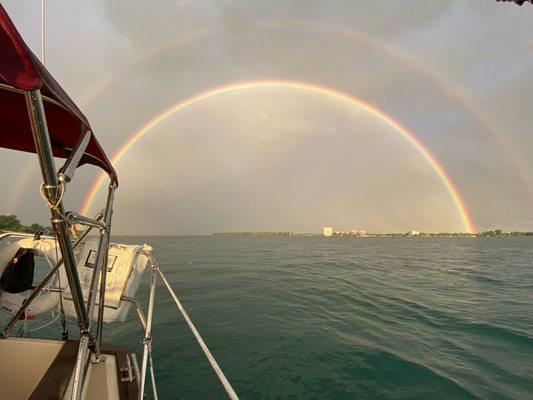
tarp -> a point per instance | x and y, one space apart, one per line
46 247
21 70
125 266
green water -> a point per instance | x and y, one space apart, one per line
343 318
320 318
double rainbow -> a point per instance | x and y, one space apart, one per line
399 55
235 88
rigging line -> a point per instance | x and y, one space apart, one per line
64 331
43 60
210 358
54 319
152 373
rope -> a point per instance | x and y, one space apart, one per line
54 319
64 331
152 374
55 207
52 205
61 314
210 358
22 327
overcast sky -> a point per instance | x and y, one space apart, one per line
456 74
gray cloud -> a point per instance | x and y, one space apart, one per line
213 167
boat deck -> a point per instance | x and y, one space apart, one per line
43 369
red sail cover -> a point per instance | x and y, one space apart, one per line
21 69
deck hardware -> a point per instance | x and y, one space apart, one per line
66 173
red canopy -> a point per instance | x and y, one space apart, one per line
21 70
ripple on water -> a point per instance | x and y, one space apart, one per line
312 318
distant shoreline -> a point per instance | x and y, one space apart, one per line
496 233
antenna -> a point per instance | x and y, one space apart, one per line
42 33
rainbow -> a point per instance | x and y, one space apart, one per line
399 55
240 87
447 86
23 181
173 44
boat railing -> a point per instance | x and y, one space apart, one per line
146 323
52 190
23 75
133 371
36 291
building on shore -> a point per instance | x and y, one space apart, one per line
328 231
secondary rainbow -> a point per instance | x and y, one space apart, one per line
239 87
396 53
16 193
449 88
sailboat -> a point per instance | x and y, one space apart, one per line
91 281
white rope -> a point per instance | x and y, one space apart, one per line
210 358
54 319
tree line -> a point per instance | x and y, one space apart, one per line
13 223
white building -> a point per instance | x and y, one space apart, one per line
328 231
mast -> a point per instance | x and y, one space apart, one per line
43 32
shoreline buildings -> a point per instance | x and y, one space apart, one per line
328 231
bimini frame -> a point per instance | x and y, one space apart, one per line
25 76
52 191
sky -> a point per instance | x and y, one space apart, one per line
383 116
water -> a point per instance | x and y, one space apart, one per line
344 318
